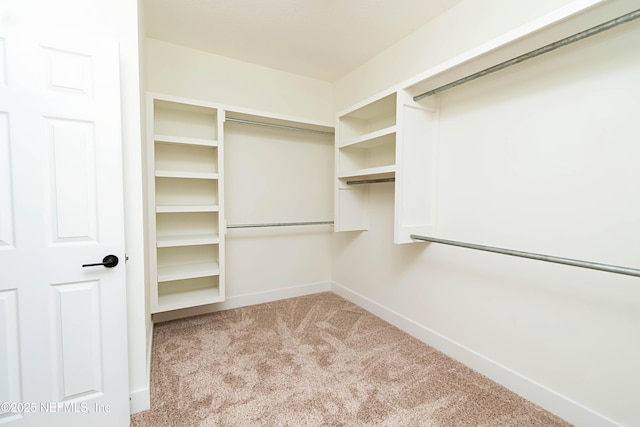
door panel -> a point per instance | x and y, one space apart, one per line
61 206
68 72
71 150
78 345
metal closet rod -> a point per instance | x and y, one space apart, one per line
251 122
532 54
371 181
558 260
280 224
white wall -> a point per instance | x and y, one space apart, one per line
270 175
139 312
190 73
542 157
466 25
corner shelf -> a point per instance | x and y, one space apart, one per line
365 149
371 139
377 172
391 136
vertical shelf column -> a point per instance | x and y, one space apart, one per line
416 175
186 194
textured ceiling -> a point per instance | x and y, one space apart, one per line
322 39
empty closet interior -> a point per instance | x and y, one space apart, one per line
270 196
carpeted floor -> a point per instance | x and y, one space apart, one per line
316 360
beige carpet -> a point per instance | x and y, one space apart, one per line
317 360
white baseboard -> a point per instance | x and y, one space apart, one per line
245 300
140 400
553 402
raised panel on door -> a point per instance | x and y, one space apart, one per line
68 72
73 198
78 344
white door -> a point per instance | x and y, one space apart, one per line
63 348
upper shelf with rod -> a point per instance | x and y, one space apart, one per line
281 123
534 53
394 134
366 143
573 22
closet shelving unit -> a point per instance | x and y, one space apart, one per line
185 189
365 150
394 134
367 139
186 181
387 139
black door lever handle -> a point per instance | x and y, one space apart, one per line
109 261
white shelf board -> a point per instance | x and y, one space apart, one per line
574 17
191 298
167 273
186 174
370 172
372 107
185 140
187 240
367 140
186 208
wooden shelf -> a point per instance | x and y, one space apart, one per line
168 273
186 208
381 171
366 149
371 139
187 240
183 299
186 174
185 157
185 140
